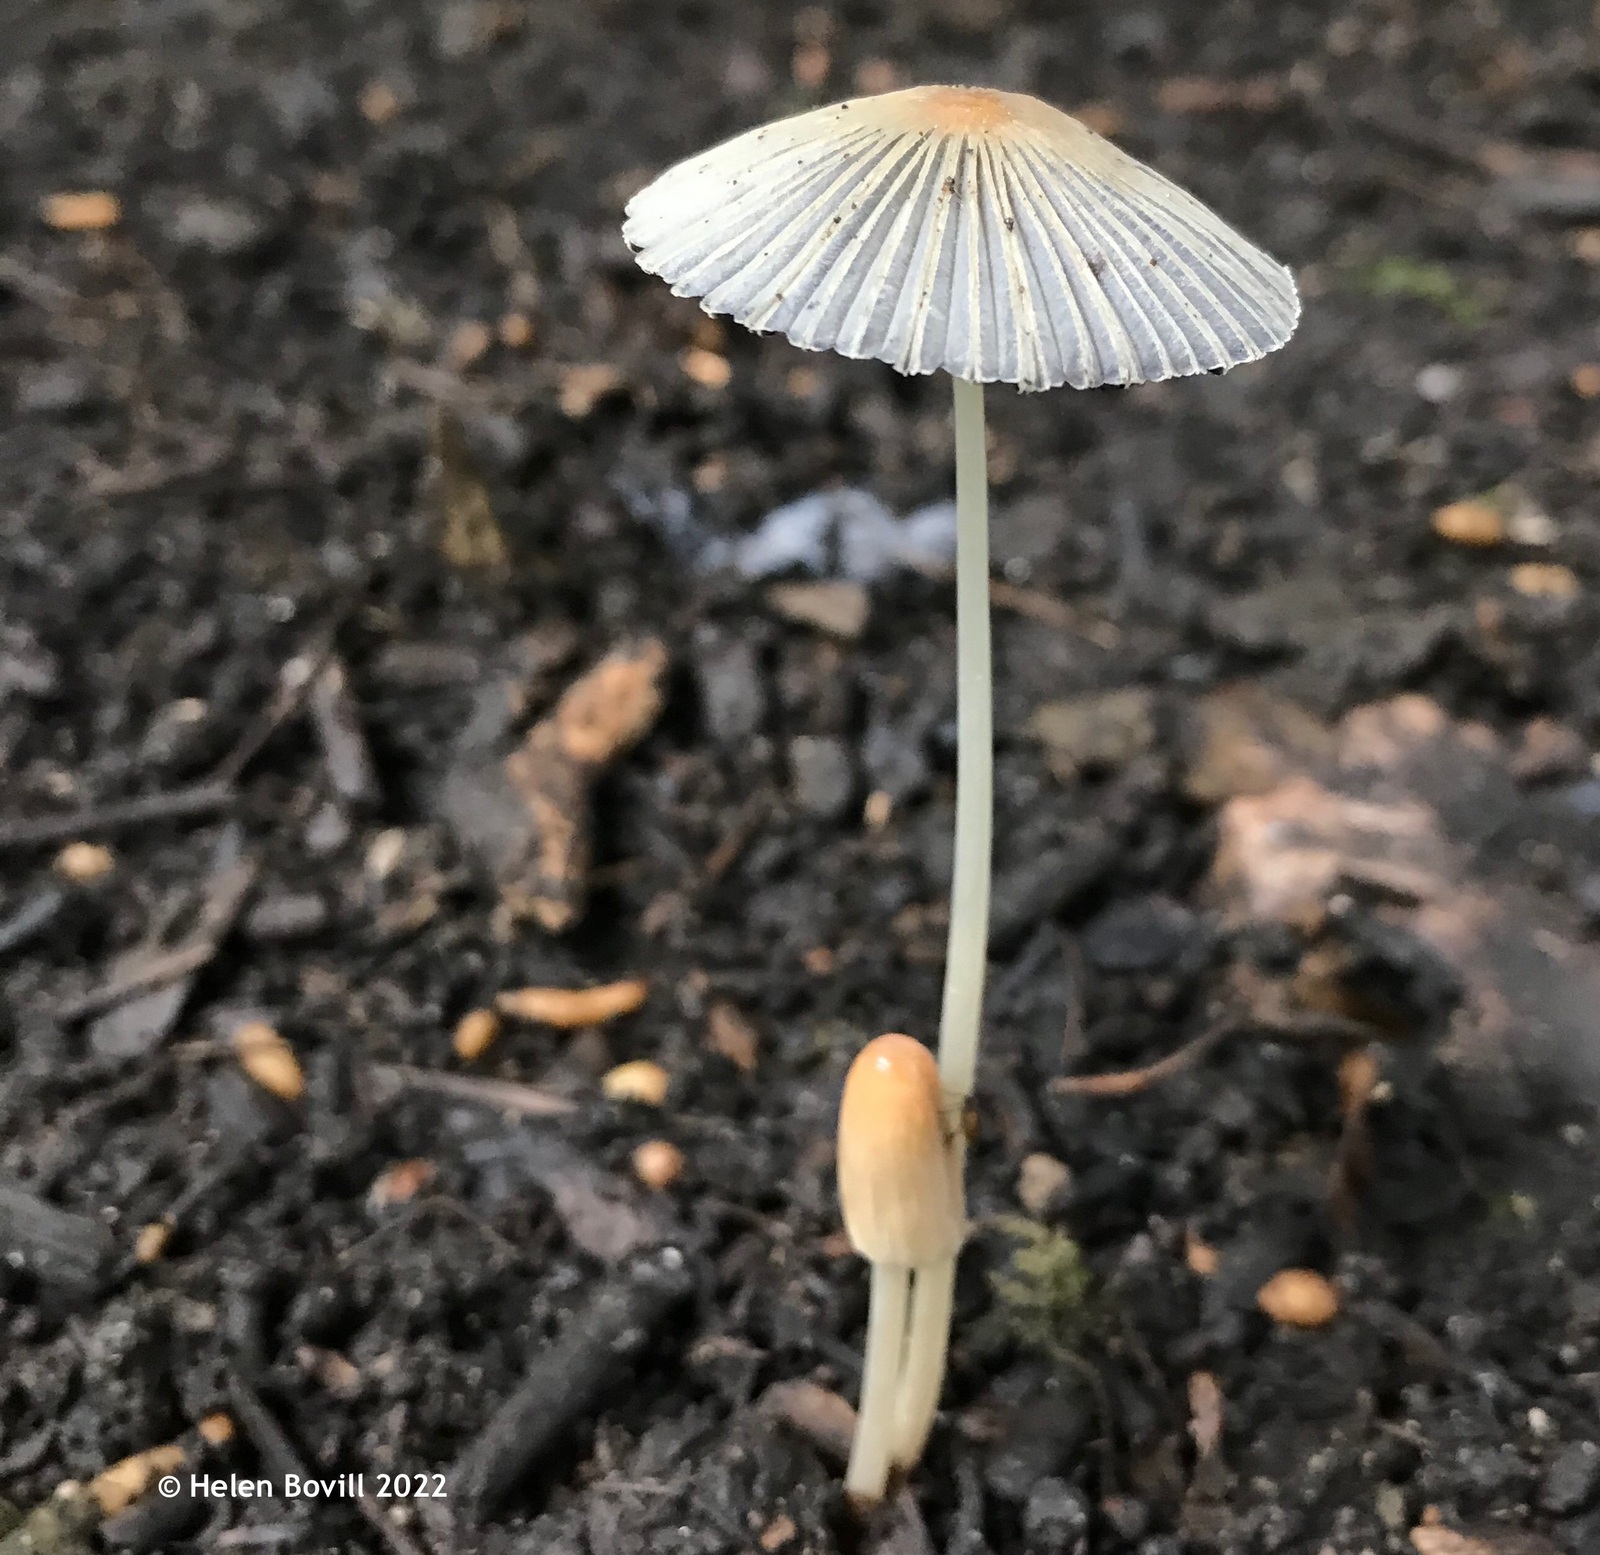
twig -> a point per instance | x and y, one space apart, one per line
178 804
529 1101
31 917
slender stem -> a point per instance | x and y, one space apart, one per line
872 1450
932 1295
967 952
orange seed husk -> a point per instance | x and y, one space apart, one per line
1299 1298
151 1242
570 1008
269 1060
641 1080
475 1032
899 1170
657 1163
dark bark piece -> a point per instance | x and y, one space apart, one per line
60 1247
567 1380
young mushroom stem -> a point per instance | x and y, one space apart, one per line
927 1345
872 1448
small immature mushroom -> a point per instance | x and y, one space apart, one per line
900 1191
990 236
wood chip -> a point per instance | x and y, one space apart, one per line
88 211
117 1488
1200 1256
1544 580
569 1008
657 1163
151 1242
379 102
269 1060
330 1370
1474 522
1299 1298
583 385
400 1183
641 1080
81 862
1442 1541
1205 1412
475 1033
731 1035
839 609
467 344
1585 381
470 536
778 1534
515 331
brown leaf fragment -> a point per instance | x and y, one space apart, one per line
729 1033
569 1008
604 712
821 1416
118 1487
470 538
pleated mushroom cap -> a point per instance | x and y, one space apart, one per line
979 232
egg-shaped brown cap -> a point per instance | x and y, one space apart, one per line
899 1172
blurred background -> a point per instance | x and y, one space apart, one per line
343 442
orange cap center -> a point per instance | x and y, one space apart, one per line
958 109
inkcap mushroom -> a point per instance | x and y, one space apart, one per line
990 236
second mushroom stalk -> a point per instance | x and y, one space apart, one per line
990 236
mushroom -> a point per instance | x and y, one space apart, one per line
900 1191
990 236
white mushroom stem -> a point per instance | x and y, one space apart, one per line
967 950
872 1450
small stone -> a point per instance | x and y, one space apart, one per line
223 228
1571 1480
823 780
731 694
83 862
1440 382
1040 1179
1141 935
1056 1518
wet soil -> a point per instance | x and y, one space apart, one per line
216 481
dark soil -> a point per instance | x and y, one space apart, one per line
215 471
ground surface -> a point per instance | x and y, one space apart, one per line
215 467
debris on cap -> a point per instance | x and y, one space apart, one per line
1299 1298
269 1060
88 211
642 1081
570 1008
980 232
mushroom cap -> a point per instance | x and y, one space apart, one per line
981 232
899 1175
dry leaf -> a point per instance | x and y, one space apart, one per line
269 1060
471 537
570 1008
1299 1298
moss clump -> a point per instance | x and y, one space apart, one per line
1046 1294
1395 275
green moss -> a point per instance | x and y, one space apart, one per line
1396 275
1046 1295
